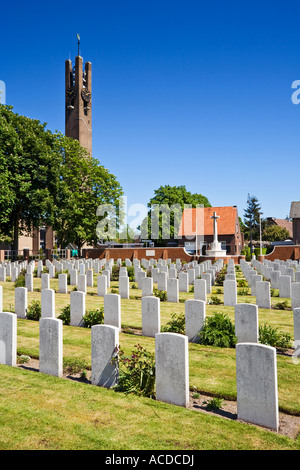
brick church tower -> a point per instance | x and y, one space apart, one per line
78 102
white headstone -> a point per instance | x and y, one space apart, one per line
82 286
124 287
263 297
8 338
183 282
246 323
112 310
21 302
162 281
200 290
256 380
195 313
51 346
296 318
77 308
295 291
90 278
147 286
172 368
45 281
230 293
105 340
63 283
101 285
29 282
207 277
150 316
47 303
172 290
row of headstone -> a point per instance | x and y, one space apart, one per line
286 283
171 355
256 370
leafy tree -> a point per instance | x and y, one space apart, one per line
171 200
49 179
28 161
273 233
252 217
83 185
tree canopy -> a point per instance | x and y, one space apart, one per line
47 178
275 233
166 209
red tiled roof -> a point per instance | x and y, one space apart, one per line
285 224
225 224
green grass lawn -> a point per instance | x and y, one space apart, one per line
40 412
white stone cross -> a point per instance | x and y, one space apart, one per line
215 217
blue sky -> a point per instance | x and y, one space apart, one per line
187 93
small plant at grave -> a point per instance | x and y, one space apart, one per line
284 305
195 394
20 282
136 372
74 289
161 294
242 283
243 291
115 273
218 331
93 317
83 375
218 291
130 272
273 337
23 359
72 366
113 291
176 324
214 300
65 315
34 311
274 292
214 404
220 277
134 286
192 289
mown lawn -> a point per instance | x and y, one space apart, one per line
38 411
42 412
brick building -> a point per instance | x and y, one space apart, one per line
196 230
295 216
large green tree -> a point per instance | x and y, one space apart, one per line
28 173
47 178
83 186
166 209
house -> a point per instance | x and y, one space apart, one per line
197 230
295 216
284 223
